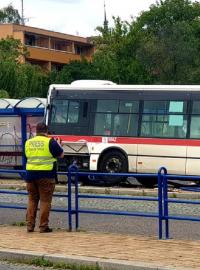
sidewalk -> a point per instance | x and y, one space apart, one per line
109 251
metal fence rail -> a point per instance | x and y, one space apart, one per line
162 210
77 210
166 201
22 173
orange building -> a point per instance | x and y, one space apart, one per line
47 48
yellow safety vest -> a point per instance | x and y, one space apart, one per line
39 158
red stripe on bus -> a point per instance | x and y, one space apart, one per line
125 140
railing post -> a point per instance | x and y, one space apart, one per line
72 169
76 202
75 169
166 211
24 138
160 199
69 183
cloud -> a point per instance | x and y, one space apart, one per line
76 16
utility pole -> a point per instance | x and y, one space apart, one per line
22 16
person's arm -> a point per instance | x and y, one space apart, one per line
62 155
56 149
60 144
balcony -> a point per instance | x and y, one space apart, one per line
46 49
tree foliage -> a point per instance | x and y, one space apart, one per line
169 40
4 94
161 46
75 70
19 80
9 15
12 50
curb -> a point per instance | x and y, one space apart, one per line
113 191
109 264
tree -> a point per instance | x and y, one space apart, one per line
160 46
12 50
9 15
31 81
115 57
4 94
20 79
75 70
169 41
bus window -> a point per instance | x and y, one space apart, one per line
155 107
195 120
102 124
109 122
195 127
59 111
128 106
116 124
164 119
65 111
125 125
107 106
73 112
196 107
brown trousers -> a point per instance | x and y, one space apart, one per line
39 190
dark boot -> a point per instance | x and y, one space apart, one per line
46 230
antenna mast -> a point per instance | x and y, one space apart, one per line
105 23
22 19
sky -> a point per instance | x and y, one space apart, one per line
76 17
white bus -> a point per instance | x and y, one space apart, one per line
127 128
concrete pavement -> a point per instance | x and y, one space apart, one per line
109 251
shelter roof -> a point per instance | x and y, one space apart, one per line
32 102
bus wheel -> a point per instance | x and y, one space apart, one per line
148 182
113 162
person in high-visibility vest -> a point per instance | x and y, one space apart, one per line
41 153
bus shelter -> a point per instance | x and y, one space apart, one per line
18 119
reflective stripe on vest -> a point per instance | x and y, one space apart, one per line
39 158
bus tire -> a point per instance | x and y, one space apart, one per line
148 182
113 161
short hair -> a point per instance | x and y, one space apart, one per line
41 128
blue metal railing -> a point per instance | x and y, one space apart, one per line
166 201
68 195
162 213
77 210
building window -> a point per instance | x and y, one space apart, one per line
78 50
30 40
61 45
36 40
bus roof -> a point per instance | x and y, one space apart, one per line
125 87
91 83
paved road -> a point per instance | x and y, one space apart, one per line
114 224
